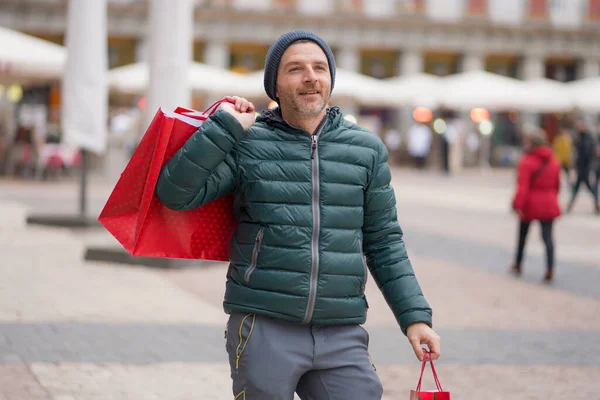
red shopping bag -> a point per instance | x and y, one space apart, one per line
141 223
437 395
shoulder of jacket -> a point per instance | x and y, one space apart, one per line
362 136
257 131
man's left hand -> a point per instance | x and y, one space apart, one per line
420 333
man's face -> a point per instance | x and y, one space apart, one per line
303 80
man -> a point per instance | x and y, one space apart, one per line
312 195
586 149
597 186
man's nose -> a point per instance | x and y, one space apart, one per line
310 75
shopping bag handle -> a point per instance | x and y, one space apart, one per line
202 116
427 357
212 109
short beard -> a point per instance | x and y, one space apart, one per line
290 101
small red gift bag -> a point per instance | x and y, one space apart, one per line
437 395
135 216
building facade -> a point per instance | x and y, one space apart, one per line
527 39
558 39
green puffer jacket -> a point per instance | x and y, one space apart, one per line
307 207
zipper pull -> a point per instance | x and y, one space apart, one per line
259 237
313 147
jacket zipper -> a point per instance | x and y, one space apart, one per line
255 251
365 268
314 271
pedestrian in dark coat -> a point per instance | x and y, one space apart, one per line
586 153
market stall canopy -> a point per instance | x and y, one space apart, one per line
362 89
26 59
472 89
205 79
585 94
413 90
546 95
251 86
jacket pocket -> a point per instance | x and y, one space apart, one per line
255 251
365 267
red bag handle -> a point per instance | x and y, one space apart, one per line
427 357
205 114
211 110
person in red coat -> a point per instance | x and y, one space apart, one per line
536 198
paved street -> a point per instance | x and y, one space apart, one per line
71 329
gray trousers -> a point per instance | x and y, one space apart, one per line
272 359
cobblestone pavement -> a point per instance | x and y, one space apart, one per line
76 330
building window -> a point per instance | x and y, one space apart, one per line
247 57
121 51
198 51
220 3
594 10
538 9
409 6
379 63
285 4
502 64
349 6
563 70
440 64
477 8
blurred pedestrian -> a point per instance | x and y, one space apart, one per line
597 186
586 153
313 198
419 144
536 198
563 150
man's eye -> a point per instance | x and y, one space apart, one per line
294 69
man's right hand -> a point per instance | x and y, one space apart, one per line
240 108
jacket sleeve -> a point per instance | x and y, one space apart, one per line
204 169
385 251
524 173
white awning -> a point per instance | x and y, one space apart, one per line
413 90
25 59
546 95
133 79
480 89
585 94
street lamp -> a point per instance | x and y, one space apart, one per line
439 126
14 93
486 127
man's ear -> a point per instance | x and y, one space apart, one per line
276 92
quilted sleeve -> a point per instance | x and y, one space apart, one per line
204 169
385 251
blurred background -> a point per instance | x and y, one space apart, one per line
452 87
441 62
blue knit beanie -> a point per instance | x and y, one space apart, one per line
279 46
